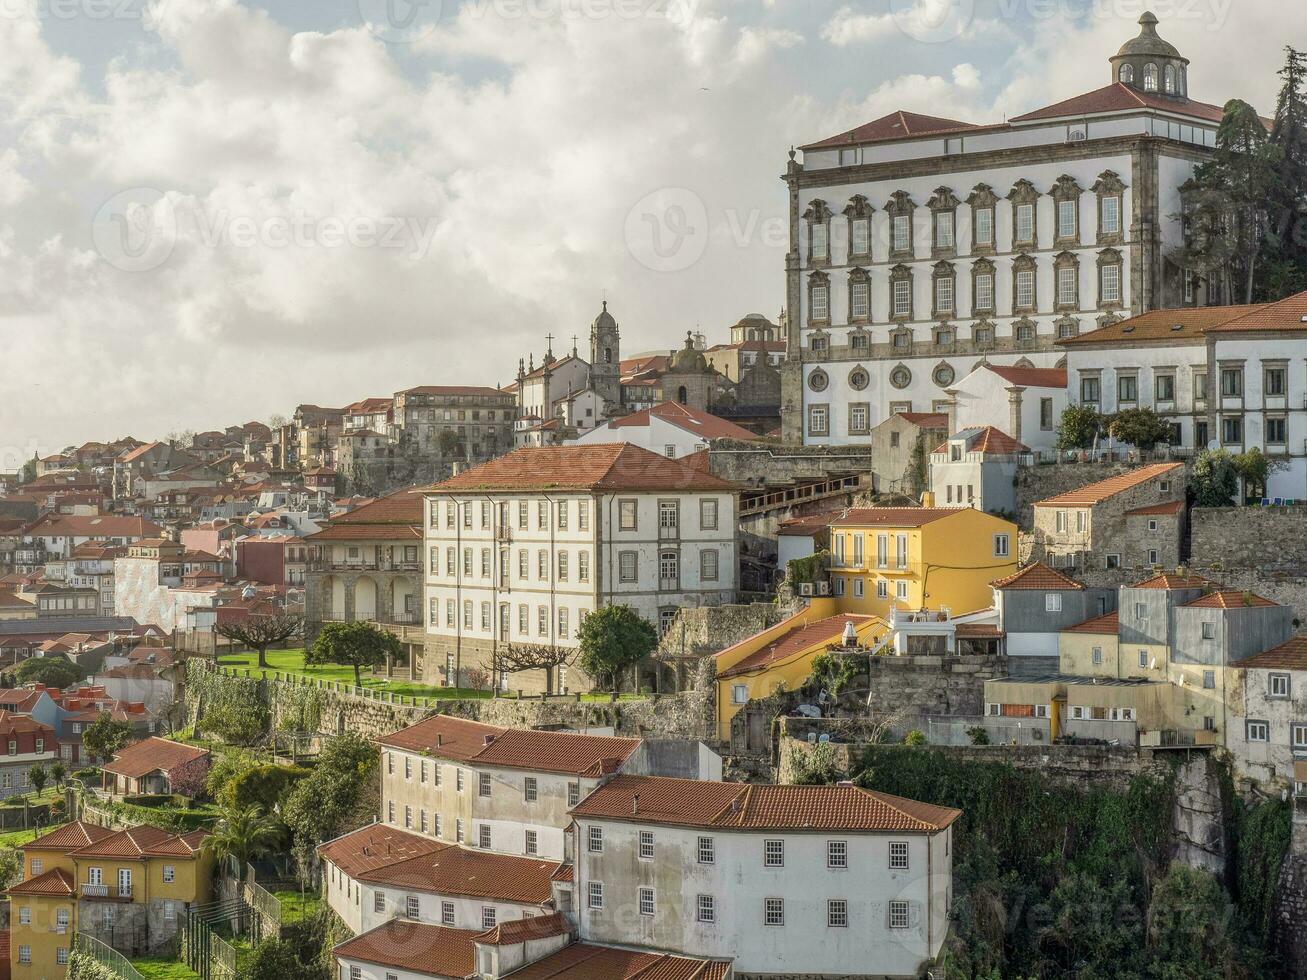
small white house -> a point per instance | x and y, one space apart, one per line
978 467
670 429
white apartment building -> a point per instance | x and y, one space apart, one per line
978 467
670 429
1229 376
921 246
789 880
521 549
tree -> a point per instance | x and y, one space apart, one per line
274 959
1213 478
11 866
1188 927
1079 426
341 794
518 658
58 773
39 776
104 736
261 631
1139 427
612 639
244 834
356 645
1255 468
52 671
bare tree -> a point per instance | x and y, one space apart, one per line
514 659
261 631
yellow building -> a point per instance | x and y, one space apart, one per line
130 889
913 558
781 657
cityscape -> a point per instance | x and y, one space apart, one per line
825 498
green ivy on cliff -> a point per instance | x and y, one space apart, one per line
82 967
234 709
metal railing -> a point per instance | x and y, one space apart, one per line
105 956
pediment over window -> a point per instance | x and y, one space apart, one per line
817 211
982 196
1065 187
1023 192
900 202
818 277
858 207
1109 182
943 200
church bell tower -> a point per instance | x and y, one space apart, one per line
606 359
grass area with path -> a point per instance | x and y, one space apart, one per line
153 969
17 838
292 662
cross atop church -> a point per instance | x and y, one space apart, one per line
549 341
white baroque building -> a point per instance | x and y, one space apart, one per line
521 549
921 246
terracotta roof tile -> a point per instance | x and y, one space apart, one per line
150 754
894 516
520 930
432 951
582 961
95 526
1283 315
1187 324
1117 97
802 636
443 735
56 882
372 848
561 752
897 125
69 837
736 806
977 631
1172 581
1231 599
1036 577
608 466
469 873
1289 655
1030 377
133 842
1108 623
1157 510
1094 493
692 420
925 420
987 440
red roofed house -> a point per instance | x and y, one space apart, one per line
1025 403
24 742
589 526
1132 521
978 467
986 241
156 765
671 429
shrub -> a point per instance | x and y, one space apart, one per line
915 737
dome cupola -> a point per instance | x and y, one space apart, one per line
1149 64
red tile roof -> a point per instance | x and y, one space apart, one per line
615 466
897 125
1285 315
444 735
12 724
977 631
95 526
806 526
1117 97
1185 324
1031 377
987 440
1231 599
582 961
396 516
1289 655
69 837
133 842
894 516
469 873
1095 493
737 806
152 754
692 420
1173 581
925 420
803 635
1037 577
372 848
1107 623
1157 510
480 391
520 930
432 951
55 883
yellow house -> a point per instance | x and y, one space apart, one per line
923 557
781 657
130 889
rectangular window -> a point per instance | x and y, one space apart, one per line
1002 546
708 514
861 236
984 226
1025 288
379 902
820 241
1110 215
943 229
447 913
583 515
837 854
902 297
1258 731
626 566
1127 388
707 851
488 917
627 511
1209 680
1232 430
169 873
483 836
1053 602
646 845
898 855
1275 432
820 302
944 294
646 897
596 840
817 420
1066 219
860 300
1110 287
1298 735
985 291
412 907
708 564
1231 382
898 915
1096 655
1066 286
573 794
1089 389
1025 223
583 566
1278 686
1164 387
596 895
530 791
837 913
774 911
774 854
706 908
532 844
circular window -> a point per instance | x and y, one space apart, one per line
900 377
943 375
818 381
859 379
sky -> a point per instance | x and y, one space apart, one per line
212 211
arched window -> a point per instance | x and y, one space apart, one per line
1128 74
681 395
1169 79
1150 78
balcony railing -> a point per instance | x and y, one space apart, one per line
359 565
106 891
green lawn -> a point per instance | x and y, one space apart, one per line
50 794
292 662
164 970
18 838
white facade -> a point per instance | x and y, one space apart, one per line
1027 412
659 436
816 935
986 481
527 567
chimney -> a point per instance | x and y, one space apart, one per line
927 498
440 739
845 784
635 804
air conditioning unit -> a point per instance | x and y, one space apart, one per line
805 588
823 588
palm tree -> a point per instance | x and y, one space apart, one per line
244 834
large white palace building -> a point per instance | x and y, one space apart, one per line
921 247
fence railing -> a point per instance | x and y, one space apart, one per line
105 956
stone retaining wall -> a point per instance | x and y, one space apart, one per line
1035 483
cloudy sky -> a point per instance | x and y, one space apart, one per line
214 210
